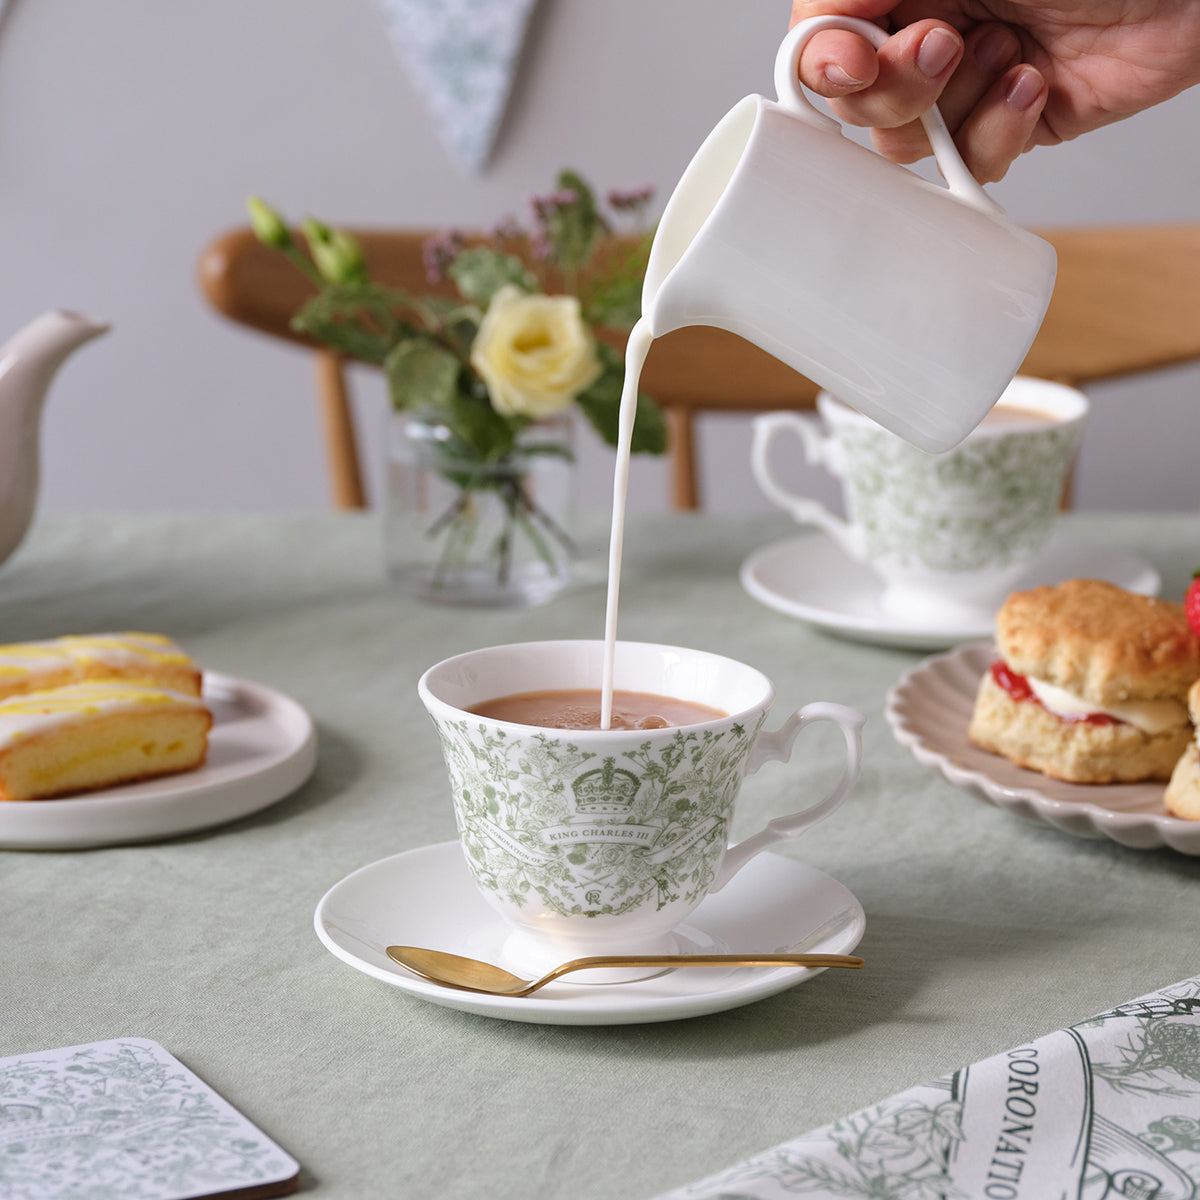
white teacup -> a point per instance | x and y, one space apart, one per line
602 841
914 303
949 534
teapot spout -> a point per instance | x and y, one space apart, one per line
28 362
45 342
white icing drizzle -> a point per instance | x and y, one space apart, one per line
117 650
77 703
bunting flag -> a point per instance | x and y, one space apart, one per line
462 56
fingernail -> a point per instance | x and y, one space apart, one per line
938 47
995 50
1025 88
839 77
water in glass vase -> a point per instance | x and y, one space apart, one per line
462 530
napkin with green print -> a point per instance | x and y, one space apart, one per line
1106 1108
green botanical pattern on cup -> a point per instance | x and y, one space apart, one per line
590 834
989 502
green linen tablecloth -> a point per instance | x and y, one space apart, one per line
983 931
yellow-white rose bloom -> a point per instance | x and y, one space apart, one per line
534 353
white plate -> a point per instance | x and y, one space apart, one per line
426 897
262 747
929 710
811 577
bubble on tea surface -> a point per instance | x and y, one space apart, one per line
652 721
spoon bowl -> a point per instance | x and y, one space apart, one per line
471 975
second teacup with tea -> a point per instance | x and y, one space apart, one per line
948 534
591 841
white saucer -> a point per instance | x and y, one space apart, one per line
262 747
426 897
929 710
811 577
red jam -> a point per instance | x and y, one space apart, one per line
1017 687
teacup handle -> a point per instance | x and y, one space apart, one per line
819 450
777 747
959 181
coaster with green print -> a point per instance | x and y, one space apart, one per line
125 1120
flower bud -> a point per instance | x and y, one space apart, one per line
269 227
337 255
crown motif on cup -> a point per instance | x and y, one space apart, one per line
607 789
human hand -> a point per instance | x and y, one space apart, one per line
1007 75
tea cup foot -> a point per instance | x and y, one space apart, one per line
925 607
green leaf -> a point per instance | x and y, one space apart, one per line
601 404
481 272
421 375
575 229
342 332
358 320
616 304
480 433
458 401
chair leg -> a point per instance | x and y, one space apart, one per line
685 492
337 426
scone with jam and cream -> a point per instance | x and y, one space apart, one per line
134 657
1183 792
1091 685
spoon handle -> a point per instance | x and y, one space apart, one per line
703 960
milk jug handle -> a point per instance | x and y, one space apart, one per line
960 182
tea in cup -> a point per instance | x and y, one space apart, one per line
589 841
948 534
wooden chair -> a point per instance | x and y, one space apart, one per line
1127 300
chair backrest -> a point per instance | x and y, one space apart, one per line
1127 300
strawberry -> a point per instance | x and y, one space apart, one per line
1191 602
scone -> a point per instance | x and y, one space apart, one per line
137 657
86 736
1091 684
1183 792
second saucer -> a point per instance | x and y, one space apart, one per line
809 576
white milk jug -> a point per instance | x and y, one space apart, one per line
911 302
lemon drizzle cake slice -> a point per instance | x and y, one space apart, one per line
139 657
86 736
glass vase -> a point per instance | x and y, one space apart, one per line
462 531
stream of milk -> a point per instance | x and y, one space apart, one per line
636 350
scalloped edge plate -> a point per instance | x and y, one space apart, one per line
929 709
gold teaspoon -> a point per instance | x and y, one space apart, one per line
471 975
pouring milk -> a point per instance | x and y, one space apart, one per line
911 302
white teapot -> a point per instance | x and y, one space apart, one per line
28 362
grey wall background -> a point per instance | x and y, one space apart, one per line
131 131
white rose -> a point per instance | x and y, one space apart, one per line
534 353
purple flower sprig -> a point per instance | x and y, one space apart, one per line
439 251
632 201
